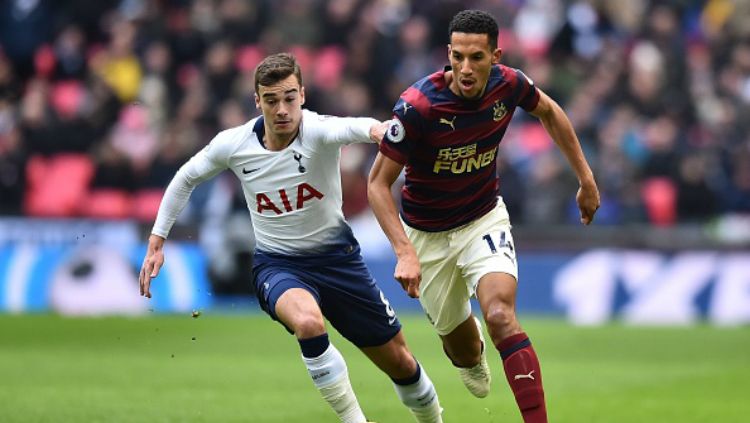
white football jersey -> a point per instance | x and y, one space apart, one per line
293 195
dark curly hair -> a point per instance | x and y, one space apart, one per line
475 22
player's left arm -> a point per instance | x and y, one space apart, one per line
558 126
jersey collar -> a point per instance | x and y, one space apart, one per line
260 130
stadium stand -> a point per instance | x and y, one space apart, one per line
99 104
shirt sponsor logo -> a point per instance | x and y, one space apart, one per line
305 192
462 159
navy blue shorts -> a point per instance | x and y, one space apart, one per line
341 284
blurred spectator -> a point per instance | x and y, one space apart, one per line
659 139
177 145
136 138
158 88
55 118
242 21
295 22
12 162
512 188
24 26
10 87
112 185
113 170
340 17
736 195
69 53
117 64
549 191
696 198
220 71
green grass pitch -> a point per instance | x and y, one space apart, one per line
245 368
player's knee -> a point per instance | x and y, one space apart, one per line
466 356
404 365
308 325
396 361
499 318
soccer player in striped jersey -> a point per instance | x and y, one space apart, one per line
453 238
307 264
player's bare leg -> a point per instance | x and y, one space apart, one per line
497 298
300 312
465 347
413 386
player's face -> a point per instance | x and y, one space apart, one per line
471 59
281 104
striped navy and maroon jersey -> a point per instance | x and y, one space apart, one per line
448 145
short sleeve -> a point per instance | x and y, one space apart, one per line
403 131
528 96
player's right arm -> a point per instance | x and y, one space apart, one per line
558 126
204 165
383 174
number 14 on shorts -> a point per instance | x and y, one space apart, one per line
503 241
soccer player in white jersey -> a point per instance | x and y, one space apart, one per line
307 263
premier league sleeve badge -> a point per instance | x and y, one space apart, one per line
396 132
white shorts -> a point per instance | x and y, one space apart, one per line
453 261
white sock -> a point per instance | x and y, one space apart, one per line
329 374
421 399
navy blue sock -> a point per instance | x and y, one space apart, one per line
409 380
315 346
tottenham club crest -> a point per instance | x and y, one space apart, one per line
396 131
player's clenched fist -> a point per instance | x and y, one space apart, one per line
151 264
588 201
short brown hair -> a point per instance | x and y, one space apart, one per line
275 68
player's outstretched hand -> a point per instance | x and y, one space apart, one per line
588 202
151 264
409 274
377 131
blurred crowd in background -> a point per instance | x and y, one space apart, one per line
102 101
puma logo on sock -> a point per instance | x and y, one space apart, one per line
522 376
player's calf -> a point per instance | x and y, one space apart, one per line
328 371
418 394
524 376
478 377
